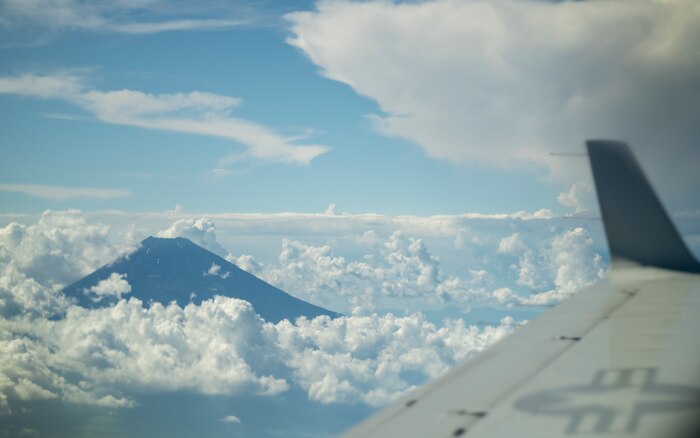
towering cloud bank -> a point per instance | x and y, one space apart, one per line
505 82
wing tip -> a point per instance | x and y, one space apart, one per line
636 224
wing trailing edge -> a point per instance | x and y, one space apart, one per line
636 224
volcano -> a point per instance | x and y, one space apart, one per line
166 270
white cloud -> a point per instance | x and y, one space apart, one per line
246 262
505 296
467 237
580 197
39 259
401 270
27 372
60 193
357 274
201 231
196 113
574 264
320 224
411 263
115 286
310 272
332 210
510 244
209 348
368 238
105 356
365 359
59 86
393 270
231 419
45 18
505 82
123 105
223 347
174 25
215 271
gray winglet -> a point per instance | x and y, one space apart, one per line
636 224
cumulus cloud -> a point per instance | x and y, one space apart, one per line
548 267
332 210
27 372
368 238
215 271
467 237
246 262
195 112
231 419
223 347
527 266
510 244
383 269
201 231
310 272
401 269
551 73
209 348
580 197
115 286
367 358
105 356
38 260
58 247
574 264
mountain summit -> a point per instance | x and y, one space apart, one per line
166 270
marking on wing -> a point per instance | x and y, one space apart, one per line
589 409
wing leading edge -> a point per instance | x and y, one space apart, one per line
620 358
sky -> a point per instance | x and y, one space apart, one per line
414 165
257 107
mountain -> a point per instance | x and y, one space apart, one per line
166 270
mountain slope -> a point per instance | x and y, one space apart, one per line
166 270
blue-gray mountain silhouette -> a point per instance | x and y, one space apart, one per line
166 270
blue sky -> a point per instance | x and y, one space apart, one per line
404 129
57 143
388 160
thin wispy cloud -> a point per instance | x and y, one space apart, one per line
196 112
46 18
175 25
62 193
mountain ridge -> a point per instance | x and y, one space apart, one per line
176 269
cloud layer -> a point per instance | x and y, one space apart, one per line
106 356
223 347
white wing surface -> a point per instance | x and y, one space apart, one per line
621 358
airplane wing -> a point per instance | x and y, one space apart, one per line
620 358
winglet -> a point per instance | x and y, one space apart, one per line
636 224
